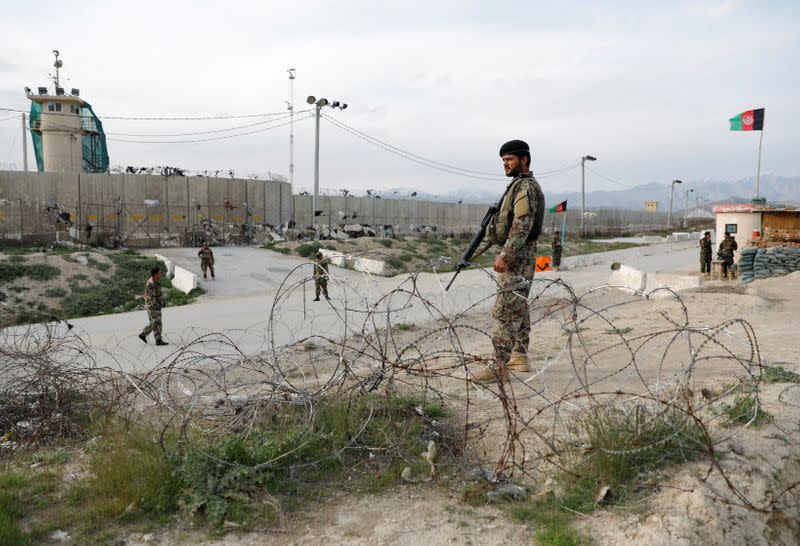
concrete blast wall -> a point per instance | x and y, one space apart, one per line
138 210
405 215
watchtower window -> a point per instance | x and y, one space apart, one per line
53 106
74 109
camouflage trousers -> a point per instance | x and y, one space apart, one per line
320 285
207 265
705 263
155 323
512 318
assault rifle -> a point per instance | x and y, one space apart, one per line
469 254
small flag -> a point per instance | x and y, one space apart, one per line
561 207
752 120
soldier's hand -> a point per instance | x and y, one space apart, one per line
500 265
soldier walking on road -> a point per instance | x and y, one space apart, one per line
515 228
320 276
556 250
705 254
726 249
153 303
206 260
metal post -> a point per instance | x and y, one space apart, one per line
24 145
669 215
315 198
758 176
291 72
583 197
686 208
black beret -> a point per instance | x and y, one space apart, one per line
514 147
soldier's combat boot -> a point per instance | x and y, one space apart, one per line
519 362
490 374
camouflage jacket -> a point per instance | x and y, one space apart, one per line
727 247
705 247
527 208
153 297
556 244
320 268
206 255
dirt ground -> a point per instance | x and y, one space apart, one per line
692 504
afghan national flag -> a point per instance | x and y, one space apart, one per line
561 207
752 120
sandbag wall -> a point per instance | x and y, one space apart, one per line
762 263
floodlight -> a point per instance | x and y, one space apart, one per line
311 99
335 104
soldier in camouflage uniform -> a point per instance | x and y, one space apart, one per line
515 228
206 260
705 254
726 249
153 303
320 276
557 247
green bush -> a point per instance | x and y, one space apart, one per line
386 242
395 263
42 272
744 409
308 250
276 248
10 271
55 292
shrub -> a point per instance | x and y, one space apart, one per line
744 409
42 272
386 242
10 271
274 247
395 263
308 250
55 292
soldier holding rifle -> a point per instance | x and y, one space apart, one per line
514 224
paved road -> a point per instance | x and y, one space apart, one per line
239 302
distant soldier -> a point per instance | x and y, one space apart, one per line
515 228
206 260
320 276
556 244
726 249
705 254
153 303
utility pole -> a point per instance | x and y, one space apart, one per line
24 144
318 104
584 159
686 207
290 104
671 193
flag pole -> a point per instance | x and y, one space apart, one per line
758 175
564 228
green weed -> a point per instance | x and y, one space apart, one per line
274 247
308 250
778 374
55 292
386 242
619 331
744 409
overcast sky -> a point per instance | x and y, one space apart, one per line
646 87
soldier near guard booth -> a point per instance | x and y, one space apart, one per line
726 249
705 254
320 276
206 260
515 228
153 303
557 248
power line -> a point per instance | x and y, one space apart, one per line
156 118
601 175
199 132
207 139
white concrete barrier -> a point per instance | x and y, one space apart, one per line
629 278
184 280
367 265
168 263
651 239
671 281
335 258
681 236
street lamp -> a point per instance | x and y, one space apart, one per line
671 192
584 159
319 103
686 207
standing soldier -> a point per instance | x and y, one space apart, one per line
153 303
556 250
725 252
705 254
206 260
515 229
320 276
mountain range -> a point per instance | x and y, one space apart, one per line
780 189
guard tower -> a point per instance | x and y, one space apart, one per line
66 134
